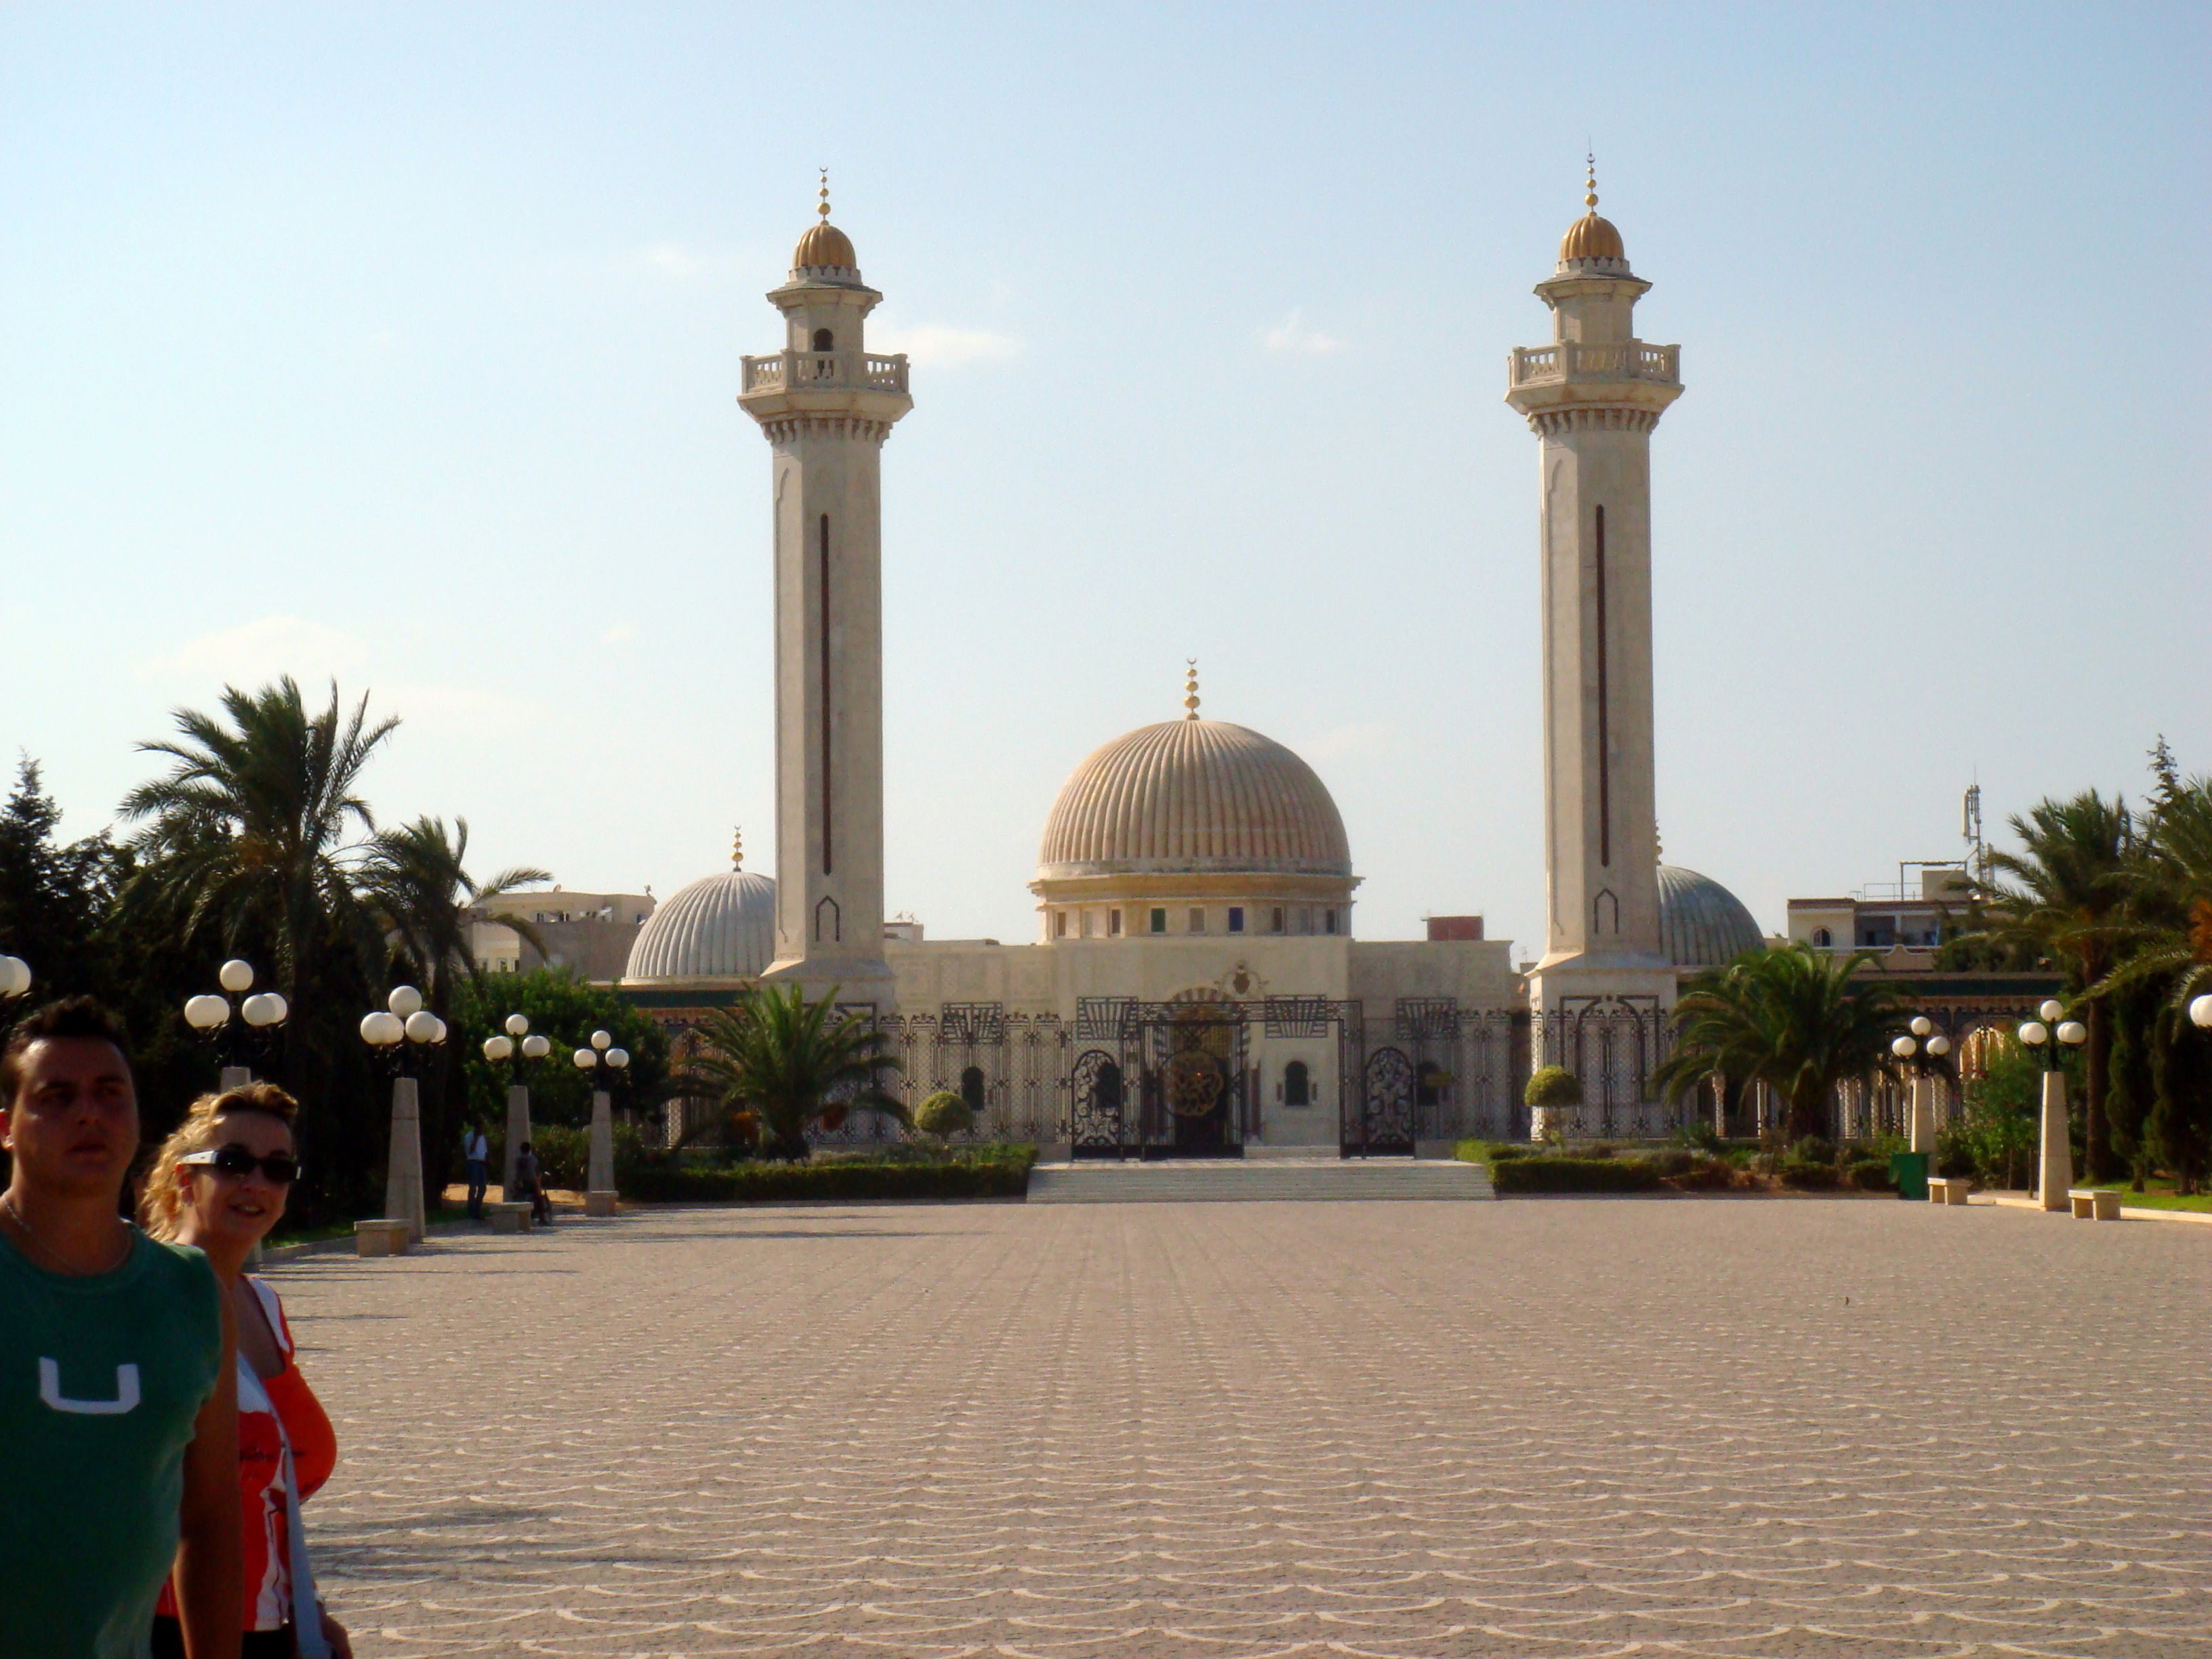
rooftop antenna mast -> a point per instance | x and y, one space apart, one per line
1977 859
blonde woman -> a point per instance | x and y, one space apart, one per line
220 1183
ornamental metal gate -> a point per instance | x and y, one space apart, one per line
1097 1124
1389 1118
1197 1098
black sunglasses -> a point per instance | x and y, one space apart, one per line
235 1160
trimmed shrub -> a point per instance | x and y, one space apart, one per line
977 1172
1870 1175
1674 1161
1553 1085
1809 1176
944 1115
1574 1175
1704 1175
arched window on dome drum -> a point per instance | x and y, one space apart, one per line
1236 918
1113 924
1297 1084
971 1088
825 341
1060 924
1159 919
1823 937
1329 920
1278 927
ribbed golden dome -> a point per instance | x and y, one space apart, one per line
825 244
1194 796
1591 238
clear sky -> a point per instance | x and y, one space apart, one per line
400 343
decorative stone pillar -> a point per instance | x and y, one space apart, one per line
2055 1164
600 1185
403 1175
1923 1113
518 1131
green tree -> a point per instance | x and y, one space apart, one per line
792 1063
566 1010
944 1115
1796 1019
252 843
2071 894
52 895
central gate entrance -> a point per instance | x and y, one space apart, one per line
1160 1080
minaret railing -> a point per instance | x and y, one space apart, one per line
1611 360
800 370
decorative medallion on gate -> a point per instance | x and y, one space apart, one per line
1194 1084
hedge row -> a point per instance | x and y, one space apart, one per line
963 1175
1575 1175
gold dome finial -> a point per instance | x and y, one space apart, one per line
738 849
1590 184
824 209
1190 689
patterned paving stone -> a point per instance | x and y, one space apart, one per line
1753 1429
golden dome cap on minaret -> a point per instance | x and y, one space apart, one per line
824 247
1591 238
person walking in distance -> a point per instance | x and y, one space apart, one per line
118 1394
220 1183
476 1152
529 1177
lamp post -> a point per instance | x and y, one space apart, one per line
404 1028
517 1045
2054 1170
603 1063
14 982
1924 1050
210 1014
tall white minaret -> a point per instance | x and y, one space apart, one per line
1593 397
826 406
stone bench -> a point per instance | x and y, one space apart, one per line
1947 1189
2094 1203
508 1217
383 1236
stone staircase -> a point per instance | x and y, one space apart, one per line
1280 1180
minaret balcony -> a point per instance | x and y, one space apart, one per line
1570 361
826 371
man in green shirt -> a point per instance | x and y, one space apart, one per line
118 1391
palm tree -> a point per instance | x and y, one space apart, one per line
253 840
789 1061
247 835
2072 886
414 879
1794 1018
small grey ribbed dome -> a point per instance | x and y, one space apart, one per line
720 927
1701 923
1191 796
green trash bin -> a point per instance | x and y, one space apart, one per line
1909 1171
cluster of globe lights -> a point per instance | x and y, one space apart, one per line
602 1050
402 1019
1936 1045
498 1048
210 1012
2071 1032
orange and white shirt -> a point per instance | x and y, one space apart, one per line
271 1411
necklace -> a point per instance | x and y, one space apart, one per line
20 1225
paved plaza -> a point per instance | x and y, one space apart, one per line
1539 1427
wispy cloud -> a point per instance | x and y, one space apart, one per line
1293 336
668 259
620 633
253 653
938 345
